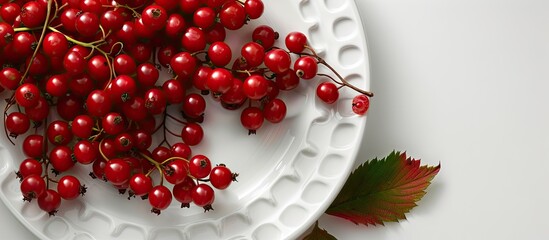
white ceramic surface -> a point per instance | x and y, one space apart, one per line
289 172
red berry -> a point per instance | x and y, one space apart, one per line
327 92
140 184
361 104
33 186
296 42
200 166
203 196
192 134
49 201
306 67
69 187
221 177
117 171
275 110
160 198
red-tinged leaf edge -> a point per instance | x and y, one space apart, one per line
319 234
383 190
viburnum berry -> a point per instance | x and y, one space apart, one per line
50 201
154 17
327 92
203 196
160 198
200 166
33 146
275 110
61 158
85 152
221 177
265 35
69 187
27 95
29 166
192 134
278 61
219 53
296 42
17 123
182 192
361 104
140 184
252 119
32 187
59 133
117 171
306 67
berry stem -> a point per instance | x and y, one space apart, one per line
156 164
342 80
40 40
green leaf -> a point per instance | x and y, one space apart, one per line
319 234
383 190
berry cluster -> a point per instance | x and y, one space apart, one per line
84 78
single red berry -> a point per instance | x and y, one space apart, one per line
220 53
182 192
181 150
49 201
204 17
160 198
98 103
176 171
296 42
232 15
33 14
278 61
306 67
155 101
253 53
87 24
40 111
140 184
154 17
200 166
327 92
32 186
192 134
254 8
275 110
85 152
30 166
183 64
27 95
203 196
61 158
251 118
255 87
193 105
117 171
221 177
55 44
264 35
59 133
69 187
113 123
17 123
33 146
220 80
57 85
174 90
361 104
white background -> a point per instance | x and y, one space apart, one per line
463 83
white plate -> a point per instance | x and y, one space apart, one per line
289 172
